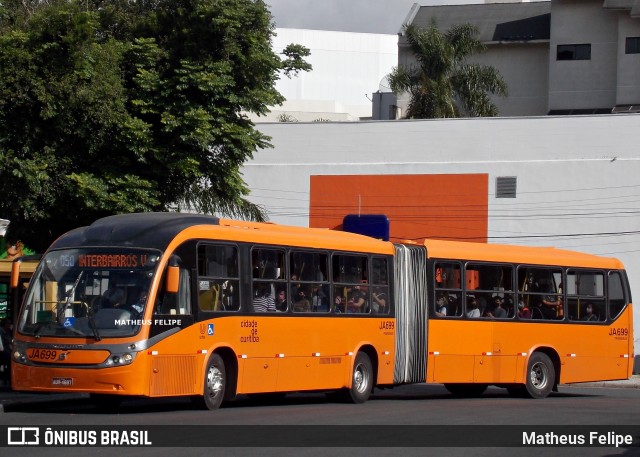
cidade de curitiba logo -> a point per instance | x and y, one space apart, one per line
47 436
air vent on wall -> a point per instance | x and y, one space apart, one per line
506 186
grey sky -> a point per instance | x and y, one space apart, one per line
365 16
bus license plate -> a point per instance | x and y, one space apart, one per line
62 382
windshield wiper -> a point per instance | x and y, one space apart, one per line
92 325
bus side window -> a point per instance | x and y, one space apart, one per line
617 300
585 294
218 278
380 298
448 293
351 293
541 293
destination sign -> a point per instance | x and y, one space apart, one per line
107 260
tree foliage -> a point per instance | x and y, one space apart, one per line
443 83
115 106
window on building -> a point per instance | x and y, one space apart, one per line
574 52
632 45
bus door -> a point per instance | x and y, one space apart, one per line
490 287
460 351
174 359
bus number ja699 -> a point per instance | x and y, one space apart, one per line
43 354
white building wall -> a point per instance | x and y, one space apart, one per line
578 177
347 69
584 84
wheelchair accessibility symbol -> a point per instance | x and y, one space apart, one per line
69 321
210 330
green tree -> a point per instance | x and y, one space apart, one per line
443 83
113 106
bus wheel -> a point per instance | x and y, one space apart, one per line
540 375
215 380
361 379
466 390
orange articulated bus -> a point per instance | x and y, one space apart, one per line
167 304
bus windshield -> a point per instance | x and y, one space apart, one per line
88 293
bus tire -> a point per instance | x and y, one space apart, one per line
215 381
361 379
466 390
541 375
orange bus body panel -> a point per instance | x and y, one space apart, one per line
497 352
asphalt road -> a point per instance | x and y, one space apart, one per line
313 425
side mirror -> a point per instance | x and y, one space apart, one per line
173 275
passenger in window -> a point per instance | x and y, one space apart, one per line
473 309
379 297
113 296
281 300
295 286
263 301
356 300
508 307
498 311
338 304
588 313
319 300
140 303
229 302
540 311
523 311
441 305
454 307
553 305
301 304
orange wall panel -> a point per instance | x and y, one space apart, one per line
449 206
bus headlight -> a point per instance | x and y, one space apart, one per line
19 357
120 359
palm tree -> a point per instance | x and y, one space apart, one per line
443 83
